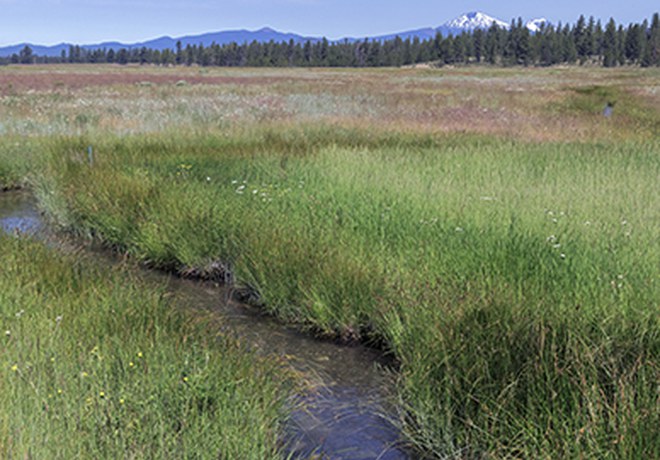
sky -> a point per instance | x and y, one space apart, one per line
48 22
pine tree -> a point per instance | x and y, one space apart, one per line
26 56
567 46
580 39
179 52
590 38
493 45
478 41
634 43
610 44
122 56
620 43
523 50
651 55
598 39
548 46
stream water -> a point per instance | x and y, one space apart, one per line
347 417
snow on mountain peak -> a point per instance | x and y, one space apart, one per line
475 20
535 24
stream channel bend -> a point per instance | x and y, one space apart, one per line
345 419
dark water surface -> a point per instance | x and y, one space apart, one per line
347 417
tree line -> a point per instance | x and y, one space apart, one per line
586 41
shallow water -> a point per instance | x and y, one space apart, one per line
347 417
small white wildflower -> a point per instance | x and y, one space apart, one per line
459 229
562 255
20 313
556 246
554 220
551 239
208 179
8 333
58 319
587 223
234 182
624 222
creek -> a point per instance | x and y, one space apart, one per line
346 416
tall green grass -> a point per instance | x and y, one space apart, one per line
96 364
16 160
516 283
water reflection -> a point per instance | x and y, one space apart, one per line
18 214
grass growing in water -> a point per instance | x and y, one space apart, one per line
93 366
516 283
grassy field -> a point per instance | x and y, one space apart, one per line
489 227
96 364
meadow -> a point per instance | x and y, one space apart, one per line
97 364
490 228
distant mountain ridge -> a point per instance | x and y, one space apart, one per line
465 23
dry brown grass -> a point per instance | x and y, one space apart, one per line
532 104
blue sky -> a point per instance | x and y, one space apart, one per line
77 21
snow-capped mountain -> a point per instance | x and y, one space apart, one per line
535 24
465 23
474 20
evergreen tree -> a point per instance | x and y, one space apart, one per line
459 53
580 39
26 56
478 40
590 38
493 44
307 53
634 43
610 44
598 39
567 46
523 50
179 52
620 43
122 56
651 55
616 45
